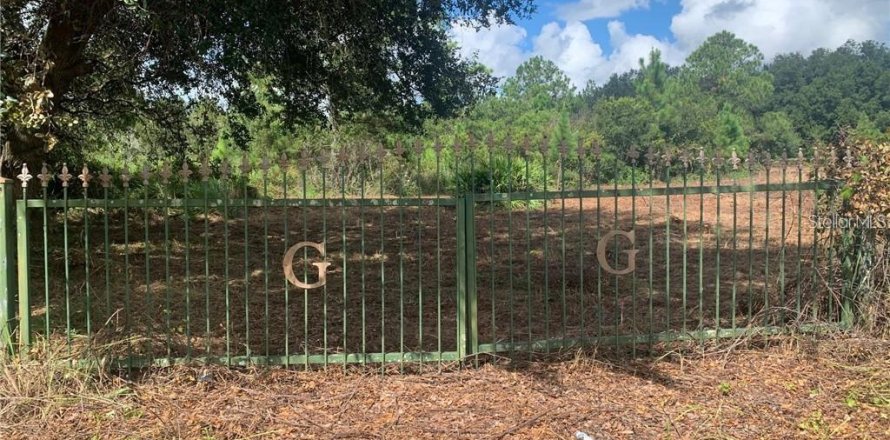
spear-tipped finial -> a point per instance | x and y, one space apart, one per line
734 160
204 171
800 159
85 176
125 178
305 160
65 176
633 154
185 172
45 176
25 175
105 178
282 162
146 174
245 164
224 169
165 173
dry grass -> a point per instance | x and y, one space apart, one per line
795 387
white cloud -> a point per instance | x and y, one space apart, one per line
583 10
497 46
571 48
777 26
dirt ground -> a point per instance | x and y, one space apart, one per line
793 387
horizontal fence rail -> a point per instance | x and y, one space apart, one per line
416 256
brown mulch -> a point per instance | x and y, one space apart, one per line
796 387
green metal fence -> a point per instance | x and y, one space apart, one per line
415 256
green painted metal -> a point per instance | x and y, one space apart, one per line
23 279
358 318
8 285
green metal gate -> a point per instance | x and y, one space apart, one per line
416 256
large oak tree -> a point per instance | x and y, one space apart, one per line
69 61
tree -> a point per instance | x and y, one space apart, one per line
651 82
539 84
732 70
64 62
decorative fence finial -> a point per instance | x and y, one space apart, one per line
165 173
265 164
751 160
800 159
668 157
734 160
418 148
651 156
685 159
185 172
701 157
204 171
224 170
245 164
784 160
343 156
399 150
545 145
718 160
563 148
125 178
767 160
146 174
85 176
45 176
65 176
282 162
105 178
633 154
597 150
25 176
305 160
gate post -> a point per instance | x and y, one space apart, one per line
8 294
467 299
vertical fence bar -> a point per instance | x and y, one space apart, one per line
750 169
600 306
418 151
734 160
362 158
491 250
146 173
782 304
684 285
22 257
8 284
344 157
224 180
562 233
545 151
45 177
701 244
401 238
799 233
633 154
305 162
766 279
667 240
651 288
205 176
265 169
186 219
85 177
581 237
528 250
283 168
324 256
65 177
165 175
508 147
381 157
718 165
125 182
438 150
245 176
468 341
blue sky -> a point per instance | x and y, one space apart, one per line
592 39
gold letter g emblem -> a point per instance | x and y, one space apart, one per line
631 254
289 265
